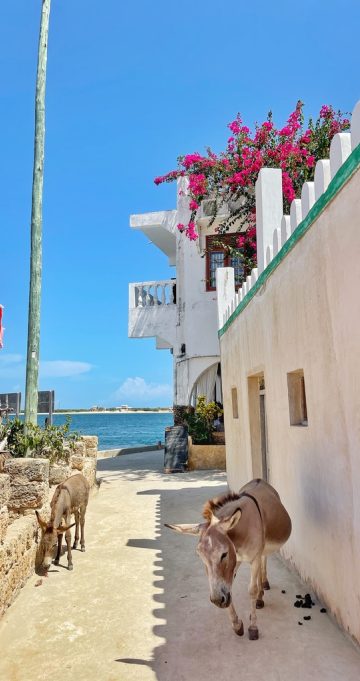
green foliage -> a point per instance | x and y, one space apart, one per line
53 442
201 421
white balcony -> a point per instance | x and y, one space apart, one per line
160 229
152 311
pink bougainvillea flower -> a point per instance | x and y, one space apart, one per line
190 159
326 111
180 227
230 176
197 184
235 126
240 241
193 205
191 232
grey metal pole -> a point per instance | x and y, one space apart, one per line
33 344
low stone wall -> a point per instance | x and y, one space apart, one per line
27 485
206 457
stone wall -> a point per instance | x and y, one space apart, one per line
26 485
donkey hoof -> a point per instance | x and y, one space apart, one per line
70 567
266 585
56 561
253 633
259 603
74 546
83 549
239 629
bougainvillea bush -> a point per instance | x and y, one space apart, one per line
229 177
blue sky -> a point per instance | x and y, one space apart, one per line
130 87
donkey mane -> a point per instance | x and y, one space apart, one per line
213 506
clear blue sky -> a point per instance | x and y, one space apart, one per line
130 87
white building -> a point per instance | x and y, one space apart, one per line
181 313
290 359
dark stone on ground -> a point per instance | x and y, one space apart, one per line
301 623
283 591
307 617
323 610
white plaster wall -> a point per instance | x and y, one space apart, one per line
187 372
150 321
307 317
193 320
197 308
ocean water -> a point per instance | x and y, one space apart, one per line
119 429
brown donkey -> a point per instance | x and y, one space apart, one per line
69 497
244 527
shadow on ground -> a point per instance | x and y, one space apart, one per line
196 641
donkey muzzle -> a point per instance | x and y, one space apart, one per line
221 599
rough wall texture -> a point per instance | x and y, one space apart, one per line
206 457
29 484
17 558
25 485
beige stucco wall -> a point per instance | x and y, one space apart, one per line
307 317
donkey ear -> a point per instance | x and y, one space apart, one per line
61 529
187 529
229 523
41 522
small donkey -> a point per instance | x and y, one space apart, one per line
69 497
244 527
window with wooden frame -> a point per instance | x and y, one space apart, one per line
234 402
297 398
221 252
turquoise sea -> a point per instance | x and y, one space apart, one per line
118 429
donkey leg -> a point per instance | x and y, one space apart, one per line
264 579
68 542
260 594
58 553
236 624
82 526
253 591
77 521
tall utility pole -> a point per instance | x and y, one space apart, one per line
33 344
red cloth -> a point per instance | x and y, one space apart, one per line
1 327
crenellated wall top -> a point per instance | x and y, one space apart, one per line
277 234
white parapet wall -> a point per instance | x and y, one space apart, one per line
273 229
225 289
269 210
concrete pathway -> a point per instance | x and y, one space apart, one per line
137 605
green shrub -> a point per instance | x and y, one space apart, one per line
201 421
53 442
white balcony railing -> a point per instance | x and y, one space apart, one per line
153 293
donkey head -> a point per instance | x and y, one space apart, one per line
49 536
218 554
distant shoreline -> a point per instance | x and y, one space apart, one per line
70 412
128 411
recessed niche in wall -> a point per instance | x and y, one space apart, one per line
234 400
297 398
